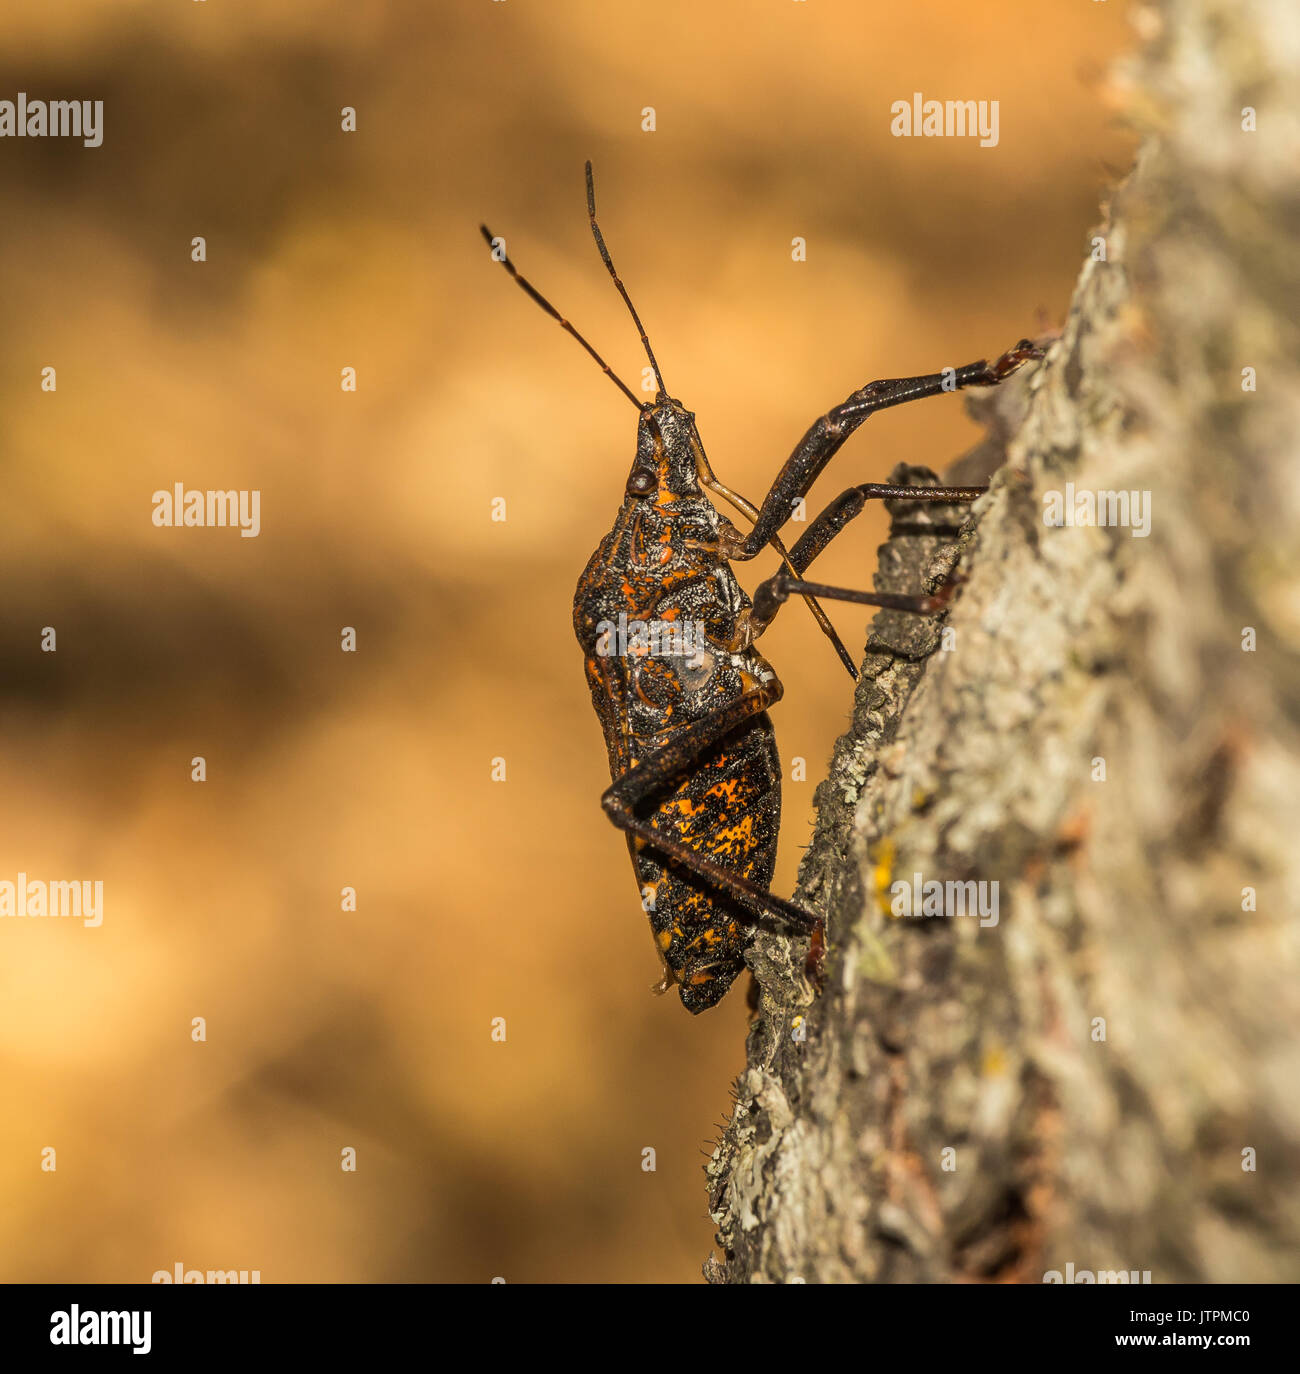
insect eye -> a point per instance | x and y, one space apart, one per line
641 482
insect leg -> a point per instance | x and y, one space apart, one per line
849 504
825 438
709 482
813 605
771 595
676 757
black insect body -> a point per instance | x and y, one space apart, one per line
689 707
677 682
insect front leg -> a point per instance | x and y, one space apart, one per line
828 434
663 766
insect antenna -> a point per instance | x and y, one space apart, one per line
622 290
555 315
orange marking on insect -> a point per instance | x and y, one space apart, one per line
740 835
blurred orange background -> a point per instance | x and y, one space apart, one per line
477 899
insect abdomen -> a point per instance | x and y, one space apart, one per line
729 811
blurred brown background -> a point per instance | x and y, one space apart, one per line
477 899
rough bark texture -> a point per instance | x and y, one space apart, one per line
1085 1081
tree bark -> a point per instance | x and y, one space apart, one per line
1104 725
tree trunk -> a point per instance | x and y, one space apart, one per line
1102 732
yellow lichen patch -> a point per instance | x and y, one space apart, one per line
995 1062
883 875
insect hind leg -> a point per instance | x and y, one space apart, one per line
734 884
622 798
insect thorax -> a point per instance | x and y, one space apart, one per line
658 622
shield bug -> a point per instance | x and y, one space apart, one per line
680 689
